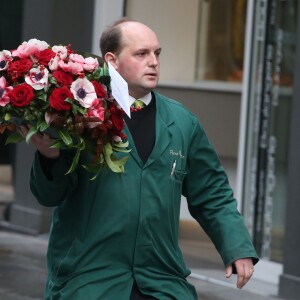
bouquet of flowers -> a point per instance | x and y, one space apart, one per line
66 94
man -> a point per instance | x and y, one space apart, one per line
116 238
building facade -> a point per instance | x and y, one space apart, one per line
231 62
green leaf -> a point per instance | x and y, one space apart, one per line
43 126
121 144
14 138
69 100
94 177
28 115
43 97
58 144
80 145
93 168
120 147
65 136
75 161
121 150
119 164
39 122
52 80
33 130
116 166
82 110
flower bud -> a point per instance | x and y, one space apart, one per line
7 117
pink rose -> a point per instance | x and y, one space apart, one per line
30 48
53 63
97 110
61 51
70 67
77 58
89 64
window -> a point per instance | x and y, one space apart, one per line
202 40
221 37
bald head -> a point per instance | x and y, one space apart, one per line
114 37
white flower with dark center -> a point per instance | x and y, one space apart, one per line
4 99
5 56
38 78
83 91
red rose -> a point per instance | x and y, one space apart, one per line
44 56
58 97
22 95
63 78
20 67
100 90
117 120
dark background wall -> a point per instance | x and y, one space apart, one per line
10 36
60 22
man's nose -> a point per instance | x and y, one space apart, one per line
154 60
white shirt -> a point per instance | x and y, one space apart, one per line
146 99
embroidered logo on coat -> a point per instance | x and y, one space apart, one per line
176 153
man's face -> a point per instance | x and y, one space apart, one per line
138 63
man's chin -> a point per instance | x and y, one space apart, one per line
151 85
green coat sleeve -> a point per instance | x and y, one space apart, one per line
51 193
211 201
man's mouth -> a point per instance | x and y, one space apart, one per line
151 75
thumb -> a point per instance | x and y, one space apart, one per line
228 271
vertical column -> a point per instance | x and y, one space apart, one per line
289 286
26 215
105 13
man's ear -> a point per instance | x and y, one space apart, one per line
111 58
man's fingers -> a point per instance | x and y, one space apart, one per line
244 271
22 130
228 271
41 141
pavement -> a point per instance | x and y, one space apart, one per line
23 271
23 265
208 276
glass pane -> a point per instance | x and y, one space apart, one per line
273 55
221 40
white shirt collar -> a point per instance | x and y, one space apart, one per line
146 99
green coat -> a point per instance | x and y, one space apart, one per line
120 227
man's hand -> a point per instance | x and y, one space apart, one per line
244 268
42 142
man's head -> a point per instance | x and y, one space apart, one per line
133 49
